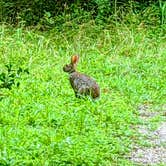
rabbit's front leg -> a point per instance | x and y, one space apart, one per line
80 93
77 95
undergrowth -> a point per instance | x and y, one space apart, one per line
41 121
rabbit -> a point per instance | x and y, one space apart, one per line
82 84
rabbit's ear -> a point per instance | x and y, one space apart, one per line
74 59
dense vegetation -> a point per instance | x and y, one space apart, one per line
121 44
51 12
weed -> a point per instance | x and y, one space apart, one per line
8 78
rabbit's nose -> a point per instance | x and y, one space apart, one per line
64 68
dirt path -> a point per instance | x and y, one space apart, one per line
155 152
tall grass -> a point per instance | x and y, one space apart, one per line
162 5
41 121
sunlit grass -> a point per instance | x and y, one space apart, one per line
41 121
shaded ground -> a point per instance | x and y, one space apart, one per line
155 151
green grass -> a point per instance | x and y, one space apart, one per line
41 121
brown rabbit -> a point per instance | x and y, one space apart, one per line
81 83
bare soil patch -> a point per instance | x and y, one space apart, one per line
155 152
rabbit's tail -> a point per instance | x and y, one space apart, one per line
96 91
